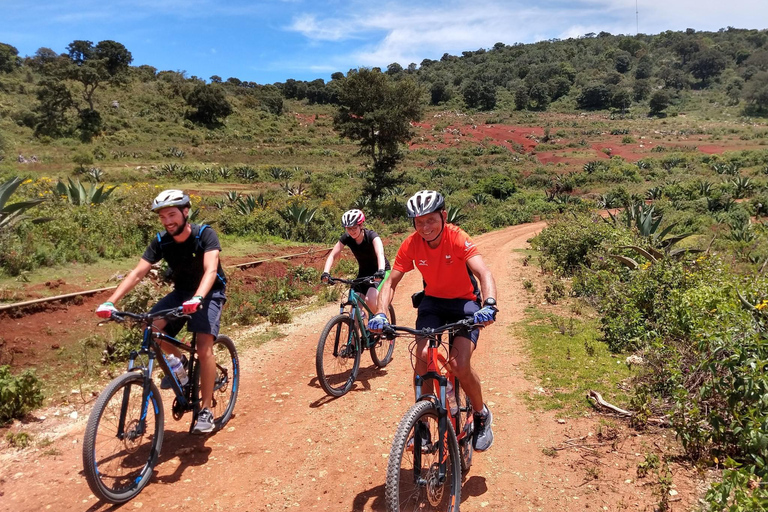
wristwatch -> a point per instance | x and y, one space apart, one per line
490 301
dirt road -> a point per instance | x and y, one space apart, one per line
289 447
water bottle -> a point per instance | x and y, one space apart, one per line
177 367
450 397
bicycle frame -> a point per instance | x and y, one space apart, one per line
358 305
439 397
151 348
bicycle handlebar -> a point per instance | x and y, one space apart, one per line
352 282
392 330
121 316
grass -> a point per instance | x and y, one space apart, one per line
568 365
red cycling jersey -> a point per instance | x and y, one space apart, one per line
443 268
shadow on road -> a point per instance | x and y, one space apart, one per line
361 384
375 496
189 448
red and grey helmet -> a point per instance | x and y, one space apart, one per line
424 202
168 198
352 218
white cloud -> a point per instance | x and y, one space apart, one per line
407 32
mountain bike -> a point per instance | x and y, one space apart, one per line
344 337
428 459
125 429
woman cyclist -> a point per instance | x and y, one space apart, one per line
366 245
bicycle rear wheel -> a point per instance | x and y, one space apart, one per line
465 426
227 383
382 348
338 356
412 471
118 461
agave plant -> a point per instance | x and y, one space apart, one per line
294 190
95 174
232 196
298 215
245 206
742 186
705 188
592 166
480 198
454 215
10 214
279 174
654 193
362 202
78 195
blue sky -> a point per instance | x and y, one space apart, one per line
269 41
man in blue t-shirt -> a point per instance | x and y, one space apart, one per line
192 254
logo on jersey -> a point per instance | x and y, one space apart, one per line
423 263
468 245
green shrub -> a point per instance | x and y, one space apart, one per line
281 314
18 394
568 243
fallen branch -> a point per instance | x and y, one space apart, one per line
597 399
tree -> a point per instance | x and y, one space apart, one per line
480 94
210 104
644 68
439 93
623 62
707 64
92 66
539 94
621 99
9 58
594 96
394 69
54 101
756 93
660 101
376 111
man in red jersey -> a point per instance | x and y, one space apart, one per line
449 262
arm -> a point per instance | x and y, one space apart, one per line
210 266
388 291
378 247
487 283
333 257
131 280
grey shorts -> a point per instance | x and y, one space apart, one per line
435 312
205 321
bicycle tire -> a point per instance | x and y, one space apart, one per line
402 492
339 345
382 348
227 383
118 476
465 422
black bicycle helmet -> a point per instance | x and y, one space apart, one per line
424 202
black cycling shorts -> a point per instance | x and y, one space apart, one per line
435 312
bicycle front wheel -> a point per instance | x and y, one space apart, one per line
227 383
413 480
382 348
338 356
123 439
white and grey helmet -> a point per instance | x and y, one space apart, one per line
168 198
424 202
352 218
